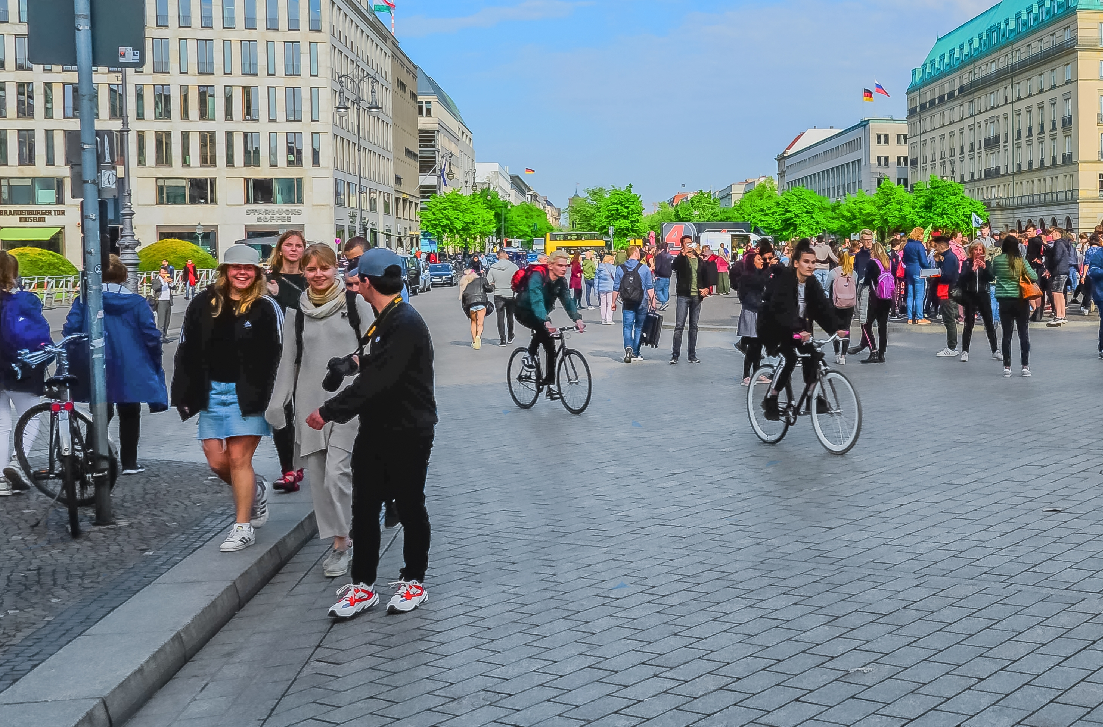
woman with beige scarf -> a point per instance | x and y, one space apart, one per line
323 329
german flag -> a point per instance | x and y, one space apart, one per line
867 95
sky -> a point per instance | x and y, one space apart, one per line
664 94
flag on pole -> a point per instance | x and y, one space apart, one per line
386 7
878 88
529 171
977 221
867 95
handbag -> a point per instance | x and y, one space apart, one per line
1028 289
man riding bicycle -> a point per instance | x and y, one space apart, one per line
792 300
534 306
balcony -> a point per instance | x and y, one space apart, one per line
992 142
1018 167
1029 131
914 162
1066 122
1029 165
1041 128
991 172
1066 158
1019 133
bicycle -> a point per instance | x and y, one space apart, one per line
832 401
62 467
572 376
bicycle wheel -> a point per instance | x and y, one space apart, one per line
573 379
38 448
839 425
522 373
767 430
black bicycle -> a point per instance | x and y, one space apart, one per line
831 400
572 376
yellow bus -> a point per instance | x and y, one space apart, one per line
574 242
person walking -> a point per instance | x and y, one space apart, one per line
945 282
883 296
991 250
752 283
133 353
191 279
1093 278
723 280
589 273
915 260
976 284
633 285
576 280
1057 267
325 327
474 298
825 259
225 369
606 272
22 326
695 278
500 276
161 288
1035 258
1009 270
393 396
842 287
861 260
286 284
663 269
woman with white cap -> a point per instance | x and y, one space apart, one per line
226 363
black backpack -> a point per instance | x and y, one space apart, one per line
631 286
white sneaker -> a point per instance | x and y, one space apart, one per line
837 358
258 516
946 353
337 562
637 357
997 355
842 359
1026 371
410 595
135 470
352 599
16 479
965 357
1007 372
5 487
240 538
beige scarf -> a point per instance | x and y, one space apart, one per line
320 299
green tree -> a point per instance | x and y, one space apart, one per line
498 207
526 220
701 207
457 220
942 204
895 209
852 214
655 220
584 210
621 209
757 206
799 212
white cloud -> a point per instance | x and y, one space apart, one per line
528 10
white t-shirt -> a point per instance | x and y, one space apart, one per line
800 299
166 292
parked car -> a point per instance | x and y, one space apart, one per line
413 274
442 274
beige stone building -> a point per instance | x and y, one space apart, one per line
445 146
1010 104
836 163
404 98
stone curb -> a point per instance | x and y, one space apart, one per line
105 675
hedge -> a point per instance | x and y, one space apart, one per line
34 261
177 252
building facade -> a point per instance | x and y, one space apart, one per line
406 159
845 161
494 176
732 193
445 145
234 131
1010 104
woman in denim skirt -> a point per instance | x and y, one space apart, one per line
226 363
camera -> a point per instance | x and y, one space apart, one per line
336 371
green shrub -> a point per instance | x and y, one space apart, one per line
177 252
34 261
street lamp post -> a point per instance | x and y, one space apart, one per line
128 242
351 86
199 234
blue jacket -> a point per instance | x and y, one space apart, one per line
29 306
605 273
1093 259
915 258
135 372
645 277
950 269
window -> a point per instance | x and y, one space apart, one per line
185 106
882 161
901 139
114 101
162 102
185 191
286 190
294 149
882 138
2 50
160 55
229 148
229 19
250 103
293 15
901 161
25 138
185 14
315 14
206 14
250 145
315 103
250 14
271 104
249 57
50 153
139 102
272 17
292 61
228 102
4 13
141 137
72 109
313 59
227 57
21 61
293 104
206 103
185 148
29 190
3 155
162 144
207 149
270 51
425 108
204 56
273 149
1068 72
162 13
316 149
339 191
24 100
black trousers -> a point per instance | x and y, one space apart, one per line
846 317
752 355
284 440
130 431
1015 312
505 308
809 368
877 312
390 468
541 337
973 304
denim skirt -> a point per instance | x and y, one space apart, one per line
222 418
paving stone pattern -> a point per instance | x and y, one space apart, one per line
652 562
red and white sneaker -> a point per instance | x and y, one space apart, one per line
410 595
352 599
289 482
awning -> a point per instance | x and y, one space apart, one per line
28 234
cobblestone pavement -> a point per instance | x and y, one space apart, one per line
652 562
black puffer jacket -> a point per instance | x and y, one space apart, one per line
975 281
779 318
752 284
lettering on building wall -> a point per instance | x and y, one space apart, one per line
274 214
30 213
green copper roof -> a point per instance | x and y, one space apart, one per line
990 32
426 86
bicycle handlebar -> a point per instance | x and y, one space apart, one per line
47 352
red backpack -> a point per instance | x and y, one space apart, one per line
520 281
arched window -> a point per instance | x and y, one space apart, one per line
1053 222
1019 225
1068 223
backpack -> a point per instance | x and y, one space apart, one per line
20 332
842 292
886 285
631 287
520 281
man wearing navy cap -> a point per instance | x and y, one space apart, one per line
394 397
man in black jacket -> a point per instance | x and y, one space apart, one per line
1057 265
695 278
949 267
394 397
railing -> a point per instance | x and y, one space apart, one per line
1030 200
1066 122
1066 158
1015 68
61 290
991 172
1029 131
992 142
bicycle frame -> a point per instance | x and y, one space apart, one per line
804 402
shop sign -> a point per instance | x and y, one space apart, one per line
31 215
274 214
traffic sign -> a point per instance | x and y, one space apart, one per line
118 33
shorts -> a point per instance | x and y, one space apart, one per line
1058 282
222 418
474 308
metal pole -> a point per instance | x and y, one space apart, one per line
359 181
128 242
93 282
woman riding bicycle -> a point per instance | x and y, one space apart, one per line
792 300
